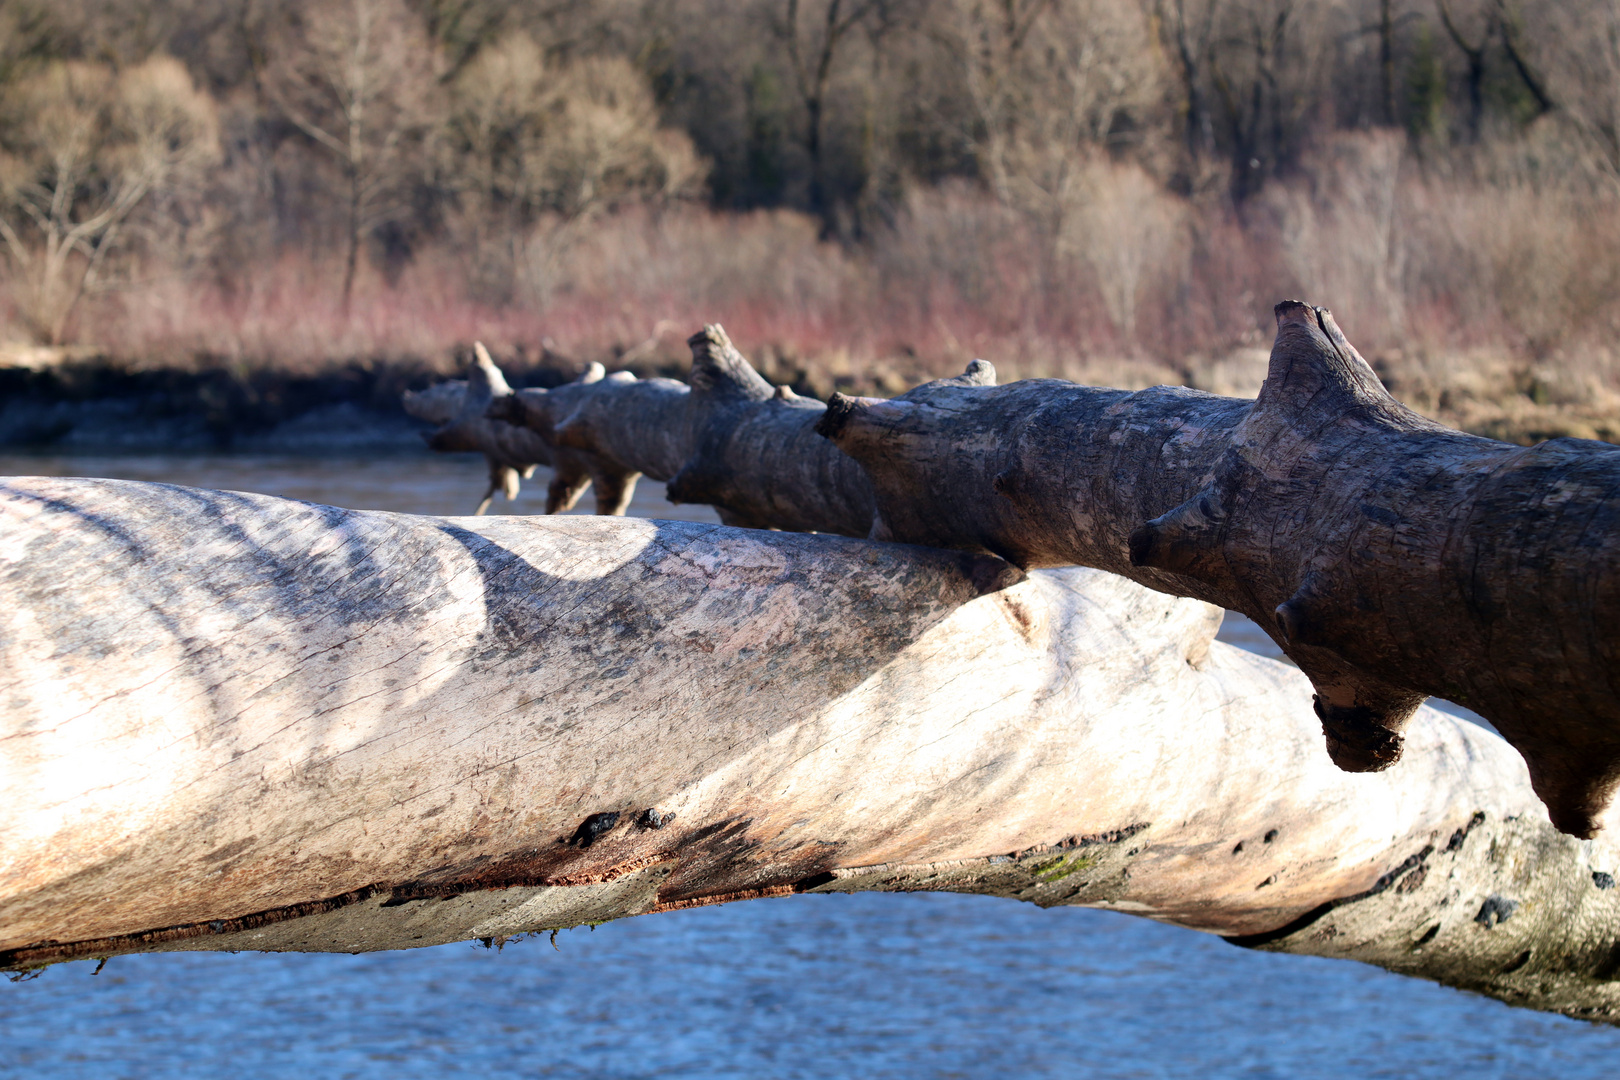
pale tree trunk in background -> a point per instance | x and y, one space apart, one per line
237 722
354 76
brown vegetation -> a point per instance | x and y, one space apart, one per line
866 193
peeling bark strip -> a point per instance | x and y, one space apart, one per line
459 408
1389 556
238 722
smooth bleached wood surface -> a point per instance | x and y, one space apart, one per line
238 722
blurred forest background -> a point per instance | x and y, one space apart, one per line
867 193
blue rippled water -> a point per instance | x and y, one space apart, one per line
914 985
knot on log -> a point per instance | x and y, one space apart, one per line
1303 617
1361 739
841 409
978 373
1183 540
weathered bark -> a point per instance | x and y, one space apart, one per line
459 408
246 723
1390 557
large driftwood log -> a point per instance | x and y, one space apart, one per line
237 722
459 406
1390 557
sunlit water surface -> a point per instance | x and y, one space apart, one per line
918 985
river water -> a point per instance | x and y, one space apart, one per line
916 985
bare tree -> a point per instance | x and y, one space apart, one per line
356 77
1262 69
812 53
1049 85
463 28
1189 28
27 29
987 43
494 132
84 149
1474 54
1386 62
1577 45
1510 22
526 138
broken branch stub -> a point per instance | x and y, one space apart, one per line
459 408
1389 556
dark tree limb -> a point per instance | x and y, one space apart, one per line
1390 557
729 440
1475 55
1511 25
459 409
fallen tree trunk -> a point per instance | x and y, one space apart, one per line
1390 557
729 440
238 722
459 406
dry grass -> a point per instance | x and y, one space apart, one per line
1488 305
